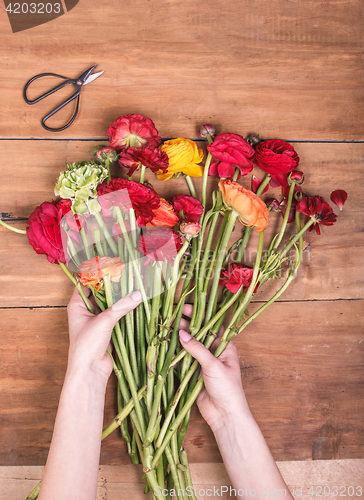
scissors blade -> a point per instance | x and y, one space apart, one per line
92 77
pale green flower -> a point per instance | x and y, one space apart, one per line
79 183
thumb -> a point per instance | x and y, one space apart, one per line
197 350
106 320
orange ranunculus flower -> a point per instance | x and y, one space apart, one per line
252 211
94 270
165 215
184 157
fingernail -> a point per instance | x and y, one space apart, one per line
184 336
136 296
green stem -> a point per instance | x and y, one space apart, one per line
142 174
107 235
116 422
240 310
85 243
78 286
20 231
204 182
290 244
134 263
126 364
217 268
286 215
263 184
191 186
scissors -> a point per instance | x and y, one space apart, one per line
84 79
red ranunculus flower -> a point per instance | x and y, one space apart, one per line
133 130
190 207
153 158
319 210
129 194
233 151
44 232
235 276
276 158
158 243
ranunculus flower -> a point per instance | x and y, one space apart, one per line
184 157
191 207
233 151
190 228
165 215
235 276
276 157
159 243
339 197
93 271
319 210
129 194
79 183
44 232
133 130
153 158
252 211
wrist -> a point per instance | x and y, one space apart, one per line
85 374
232 416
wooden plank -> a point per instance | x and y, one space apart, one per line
331 267
124 481
288 69
302 369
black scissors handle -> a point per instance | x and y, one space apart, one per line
76 83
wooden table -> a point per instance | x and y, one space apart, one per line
285 69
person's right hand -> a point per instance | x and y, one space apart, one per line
223 392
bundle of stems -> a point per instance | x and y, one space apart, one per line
157 382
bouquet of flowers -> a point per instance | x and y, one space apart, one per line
116 235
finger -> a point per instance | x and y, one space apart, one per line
76 304
216 342
106 320
188 310
197 350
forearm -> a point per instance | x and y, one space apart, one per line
247 458
73 461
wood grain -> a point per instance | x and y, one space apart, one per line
286 69
124 482
302 369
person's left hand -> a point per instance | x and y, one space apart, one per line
90 333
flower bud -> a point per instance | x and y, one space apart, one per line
206 130
273 204
104 153
296 176
253 139
190 229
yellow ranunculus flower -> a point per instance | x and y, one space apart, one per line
184 157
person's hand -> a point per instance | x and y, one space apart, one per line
90 333
223 392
